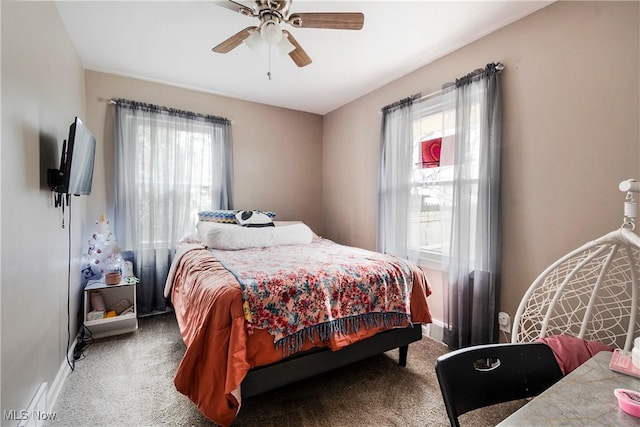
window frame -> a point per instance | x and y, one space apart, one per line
147 182
424 109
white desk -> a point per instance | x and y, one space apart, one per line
582 398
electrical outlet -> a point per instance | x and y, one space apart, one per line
504 322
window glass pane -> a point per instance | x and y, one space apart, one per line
173 166
431 184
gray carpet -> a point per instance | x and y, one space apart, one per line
127 380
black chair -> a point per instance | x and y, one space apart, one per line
483 375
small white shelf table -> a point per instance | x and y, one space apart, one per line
111 294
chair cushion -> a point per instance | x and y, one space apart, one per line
571 352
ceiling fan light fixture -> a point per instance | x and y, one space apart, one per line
254 41
271 32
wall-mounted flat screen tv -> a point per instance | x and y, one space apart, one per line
76 163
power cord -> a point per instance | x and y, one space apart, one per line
71 363
85 339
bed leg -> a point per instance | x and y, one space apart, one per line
402 361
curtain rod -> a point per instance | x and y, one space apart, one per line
419 96
499 68
169 109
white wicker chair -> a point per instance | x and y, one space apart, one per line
591 293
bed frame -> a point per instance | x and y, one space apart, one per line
318 361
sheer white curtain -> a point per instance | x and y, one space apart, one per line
170 165
396 156
466 189
474 214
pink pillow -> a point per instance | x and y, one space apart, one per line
571 352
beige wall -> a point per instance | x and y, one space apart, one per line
571 134
42 92
276 152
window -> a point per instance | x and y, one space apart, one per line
170 165
416 192
431 183
176 169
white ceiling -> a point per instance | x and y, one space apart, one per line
170 42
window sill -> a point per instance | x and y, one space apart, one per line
432 260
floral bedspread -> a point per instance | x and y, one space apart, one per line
297 292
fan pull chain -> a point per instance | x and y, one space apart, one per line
269 63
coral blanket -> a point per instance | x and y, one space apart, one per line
208 304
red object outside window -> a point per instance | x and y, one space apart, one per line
431 152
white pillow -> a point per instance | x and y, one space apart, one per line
190 238
233 236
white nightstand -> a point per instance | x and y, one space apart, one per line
111 294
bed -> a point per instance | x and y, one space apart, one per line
252 322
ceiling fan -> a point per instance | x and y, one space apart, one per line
272 14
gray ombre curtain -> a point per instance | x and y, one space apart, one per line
169 165
471 299
395 181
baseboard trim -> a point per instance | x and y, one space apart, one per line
434 330
37 412
61 376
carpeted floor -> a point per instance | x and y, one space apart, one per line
127 380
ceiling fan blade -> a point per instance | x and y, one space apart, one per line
236 7
298 55
331 20
234 41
